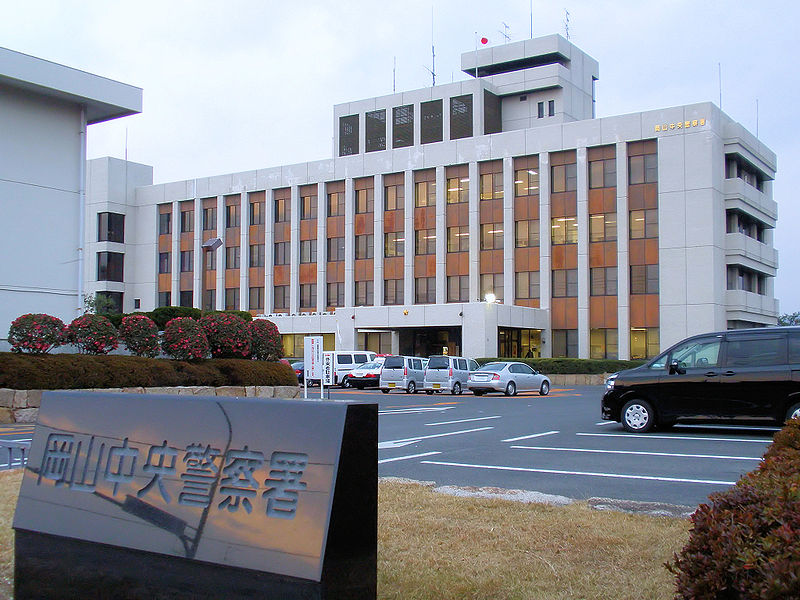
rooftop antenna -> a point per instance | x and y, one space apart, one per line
566 23
531 2
756 117
394 76
719 70
504 33
432 70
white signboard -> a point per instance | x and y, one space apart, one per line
312 356
327 368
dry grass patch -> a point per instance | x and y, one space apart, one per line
9 490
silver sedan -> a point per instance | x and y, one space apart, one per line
509 378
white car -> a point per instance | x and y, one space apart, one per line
364 375
509 378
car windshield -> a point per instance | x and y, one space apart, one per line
393 362
439 362
297 365
369 365
494 366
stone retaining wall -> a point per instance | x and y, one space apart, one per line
22 406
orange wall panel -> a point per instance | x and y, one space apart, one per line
564 313
280 275
164 282
308 273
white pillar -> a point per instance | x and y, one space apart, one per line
583 254
623 259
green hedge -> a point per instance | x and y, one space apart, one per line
80 371
550 366
164 314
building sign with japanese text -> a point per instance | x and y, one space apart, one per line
240 482
680 125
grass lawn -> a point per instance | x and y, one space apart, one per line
432 545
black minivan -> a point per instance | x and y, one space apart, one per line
748 376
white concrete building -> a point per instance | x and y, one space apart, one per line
44 111
599 237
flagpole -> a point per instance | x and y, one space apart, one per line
476 55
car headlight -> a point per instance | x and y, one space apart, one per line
611 380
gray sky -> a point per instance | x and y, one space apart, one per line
239 85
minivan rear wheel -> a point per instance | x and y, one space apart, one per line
794 412
457 388
638 416
412 387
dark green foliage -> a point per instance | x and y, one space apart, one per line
115 318
553 366
239 313
228 335
164 314
746 542
79 371
266 342
92 334
789 319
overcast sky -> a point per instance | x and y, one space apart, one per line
239 85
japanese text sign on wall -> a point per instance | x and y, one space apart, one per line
680 125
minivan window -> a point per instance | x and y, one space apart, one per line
393 362
344 359
462 364
660 362
794 348
417 364
758 351
439 362
360 358
698 353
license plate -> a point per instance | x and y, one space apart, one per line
436 386
391 385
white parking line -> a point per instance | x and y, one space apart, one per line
606 423
413 440
527 437
411 411
463 421
583 473
410 456
673 437
670 454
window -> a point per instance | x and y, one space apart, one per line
209 219
308 296
492 283
232 257
643 169
527 285
403 126
603 173
603 227
308 251
425 193
735 166
491 186
565 283
164 299
187 261
282 253
551 108
742 278
458 239
492 236
540 110
335 294
257 213
365 246
393 197
281 297
526 182
644 223
113 301
761 351
375 123
603 281
393 244
164 262
308 207
564 178
432 121
348 135
335 249
457 190
365 201
644 343
233 215
186 298
209 299
425 290
425 241
364 293
564 230
335 204
210 260
232 298
164 223
256 298
110 266
527 234
187 221
110 227
603 344
461 117
283 210
257 255
458 288
739 222
644 279
393 291
565 343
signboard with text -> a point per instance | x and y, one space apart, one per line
312 357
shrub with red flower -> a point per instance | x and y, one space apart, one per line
228 335
92 334
266 340
140 335
35 333
184 339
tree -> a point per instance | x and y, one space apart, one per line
789 319
97 304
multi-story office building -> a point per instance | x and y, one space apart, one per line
595 237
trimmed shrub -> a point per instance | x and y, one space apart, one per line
228 335
115 318
140 335
266 341
184 339
164 314
239 313
571 365
92 334
746 543
35 333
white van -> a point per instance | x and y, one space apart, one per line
448 373
343 362
402 373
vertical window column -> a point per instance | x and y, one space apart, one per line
583 252
545 231
349 242
623 259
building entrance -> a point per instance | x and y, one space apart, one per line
428 341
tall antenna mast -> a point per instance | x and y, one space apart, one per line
504 33
719 70
433 55
566 23
394 75
531 19
756 117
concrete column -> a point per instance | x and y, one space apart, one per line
583 254
441 236
269 252
244 263
544 250
408 263
509 235
477 113
623 262
175 252
445 119
474 233
349 242
322 247
219 301
417 126
377 260
197 244
294 251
